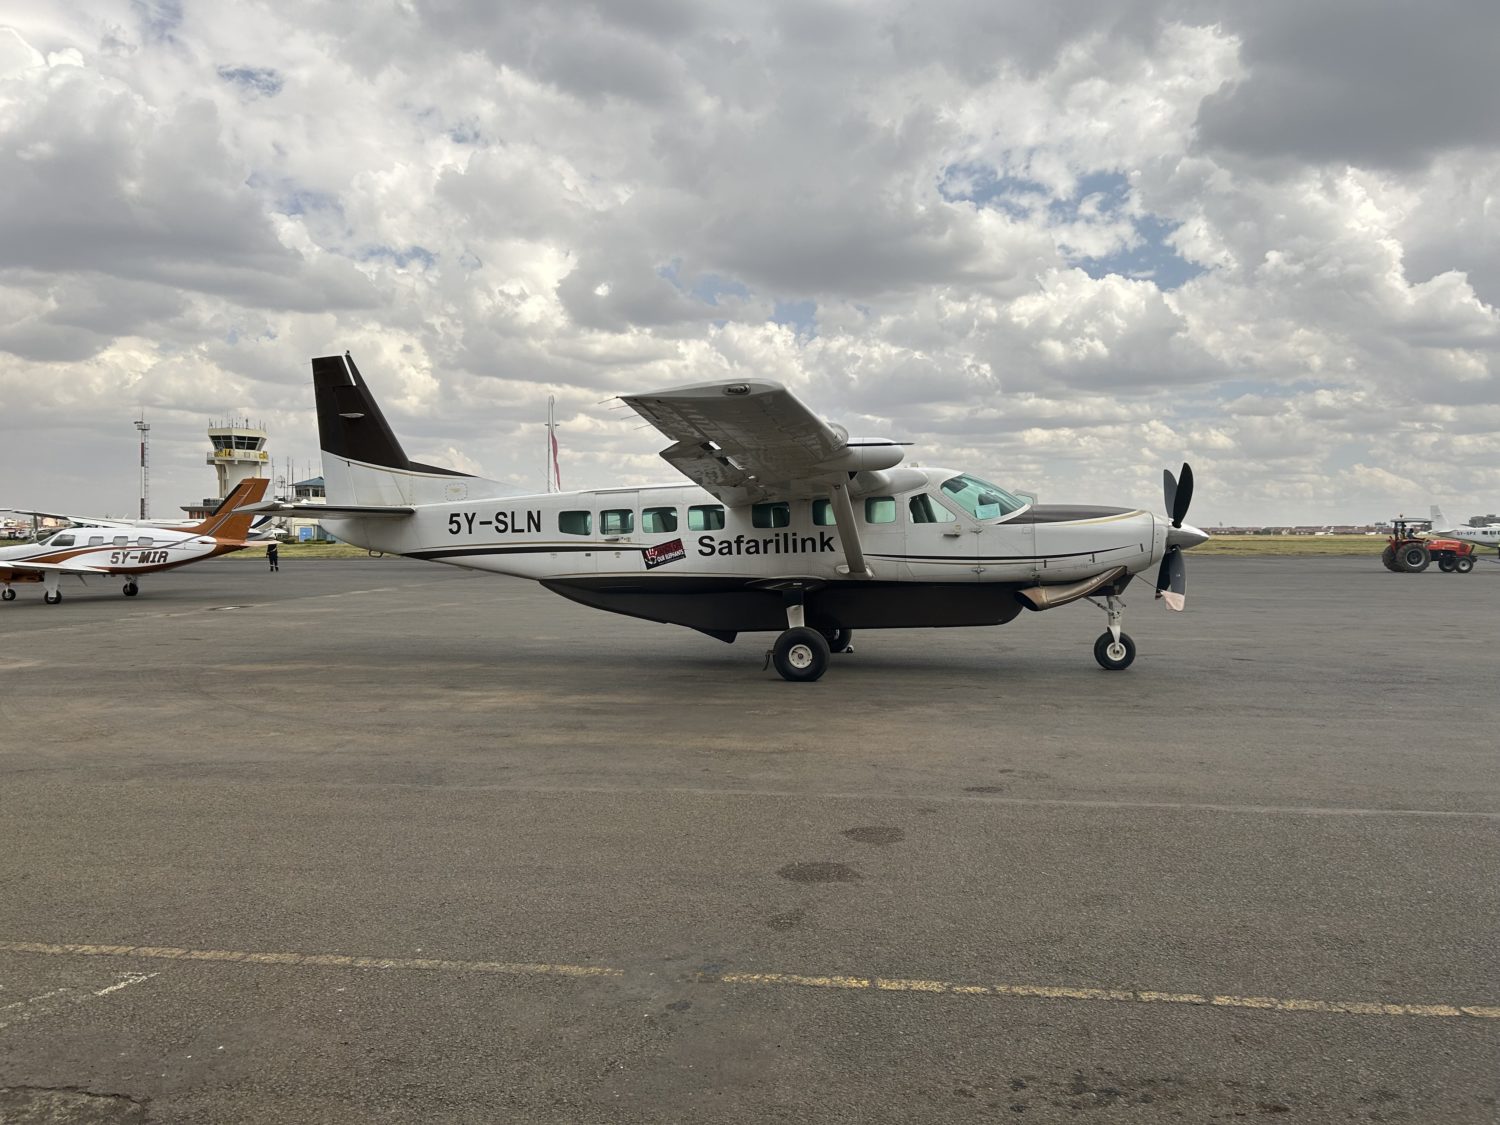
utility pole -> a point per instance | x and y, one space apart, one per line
144 428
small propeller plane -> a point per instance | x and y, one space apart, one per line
1486 536
103 549
789 525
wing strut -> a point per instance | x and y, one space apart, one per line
843 517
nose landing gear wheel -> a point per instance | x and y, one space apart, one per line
800 655
1112 655
52 597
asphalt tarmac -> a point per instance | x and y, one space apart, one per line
381 841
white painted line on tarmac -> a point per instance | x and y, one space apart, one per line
48 1003
1277 1004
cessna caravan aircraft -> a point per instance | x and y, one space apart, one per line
788 525
107 549
1479 536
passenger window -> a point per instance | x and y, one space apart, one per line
616 521
575 523
122 540
924 509
658 521
822 513
778 513
706 517
880 509
96 540
144 541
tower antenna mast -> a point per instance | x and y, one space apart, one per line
144 428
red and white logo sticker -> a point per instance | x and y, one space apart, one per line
664 553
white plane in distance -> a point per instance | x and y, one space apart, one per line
102 550
1464 533
258 528
788 526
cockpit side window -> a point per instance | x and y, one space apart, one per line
62 539
980 498
924 509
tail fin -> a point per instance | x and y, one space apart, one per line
363 463
350 424
226 523
1439 521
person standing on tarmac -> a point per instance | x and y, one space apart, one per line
273 556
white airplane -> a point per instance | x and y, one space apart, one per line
258 530
788 525
85 550
1464 533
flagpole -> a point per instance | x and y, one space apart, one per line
552 475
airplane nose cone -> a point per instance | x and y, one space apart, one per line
1187 536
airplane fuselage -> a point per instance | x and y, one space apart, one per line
111 550
675 553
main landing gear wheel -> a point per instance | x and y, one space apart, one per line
838 639
8 595
1464 565
800 655
1113 655
130 589
52 597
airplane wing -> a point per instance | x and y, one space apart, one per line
743 442
331 511
748 442
51 568
82 521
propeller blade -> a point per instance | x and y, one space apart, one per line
1171 580
1181 496
1168 489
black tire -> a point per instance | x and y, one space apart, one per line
52 599
800 655
838 639
1414 558
1463 565
130 590
1118 660
1445 565
1388 557
7 595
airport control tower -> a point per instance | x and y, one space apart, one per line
238 453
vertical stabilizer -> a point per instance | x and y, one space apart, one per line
226 522
363 462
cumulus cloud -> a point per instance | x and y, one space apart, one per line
1060 246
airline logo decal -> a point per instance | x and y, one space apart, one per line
663 553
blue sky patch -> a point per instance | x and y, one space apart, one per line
400 258
261 80
799 315
1100 196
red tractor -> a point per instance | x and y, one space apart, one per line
1408 550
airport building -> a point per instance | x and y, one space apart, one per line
238 453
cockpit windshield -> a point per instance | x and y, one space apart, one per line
980 498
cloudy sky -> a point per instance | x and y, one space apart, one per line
1059 245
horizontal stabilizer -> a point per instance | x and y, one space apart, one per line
332 511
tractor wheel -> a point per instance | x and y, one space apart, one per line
1463 565
1414 558
1445 565
1388 558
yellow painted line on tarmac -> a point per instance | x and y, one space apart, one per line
836 982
